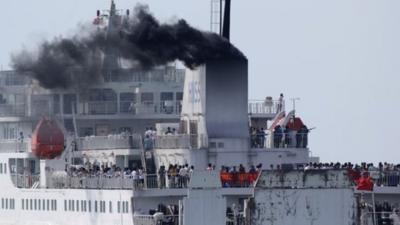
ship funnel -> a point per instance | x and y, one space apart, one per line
226 28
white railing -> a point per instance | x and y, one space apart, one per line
150 181
265 107
144 220
14 145
93 182
110 142
12 109
235 219
385 178
168 75
292 140
162 107
25 181
371 218
180 141
155 220
13 78
102 107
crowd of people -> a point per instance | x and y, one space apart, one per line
257 137
282 137
381 174
286 137
176 176
239 176
107 172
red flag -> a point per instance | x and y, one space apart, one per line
365 183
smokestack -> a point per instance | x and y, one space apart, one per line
226 29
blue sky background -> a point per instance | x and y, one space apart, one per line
340 57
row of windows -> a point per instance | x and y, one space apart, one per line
7 203
69 205
95 206
3 167
39 204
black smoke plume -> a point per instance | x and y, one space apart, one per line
143 40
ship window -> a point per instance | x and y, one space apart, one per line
83 206
9 131
55 205
119 207
1 167
69 205
95 206
77 205
22 204
5 167
102 206
179 96
89 206
127 102
73 205
65 205
39 204
31 204
12 204
147 98
86 131
110 206
6 203
48 205
2 203
167 96
35 204
26 204
69 100
56 103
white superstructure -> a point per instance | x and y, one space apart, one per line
146 148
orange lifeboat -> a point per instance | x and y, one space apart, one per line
47 140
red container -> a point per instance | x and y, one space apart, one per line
47 140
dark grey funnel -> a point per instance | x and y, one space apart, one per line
226 29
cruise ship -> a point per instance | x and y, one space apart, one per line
173 145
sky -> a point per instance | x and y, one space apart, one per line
341 58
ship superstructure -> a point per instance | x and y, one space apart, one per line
170 145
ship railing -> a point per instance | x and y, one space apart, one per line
269 141
144 220
93 182
102 107
165 75
181 141
371 218
157 107
120 141
15 145
385 178
25 180
17 109
235 219
13 78
154 181
155 220
267 106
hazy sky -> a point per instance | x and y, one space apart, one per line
340 57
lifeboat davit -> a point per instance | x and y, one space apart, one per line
47 139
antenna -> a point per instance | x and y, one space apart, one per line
294 102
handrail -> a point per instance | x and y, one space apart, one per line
365 221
